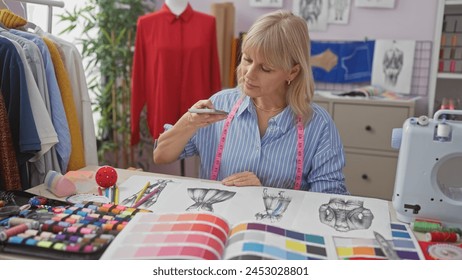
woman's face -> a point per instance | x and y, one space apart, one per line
261 79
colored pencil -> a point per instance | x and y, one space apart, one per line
116 194
141 193
144 199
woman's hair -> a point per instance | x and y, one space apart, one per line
282 40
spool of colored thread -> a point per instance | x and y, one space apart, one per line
17 221
452 229
4 235
440 236
422 226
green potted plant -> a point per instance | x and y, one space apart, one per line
107 41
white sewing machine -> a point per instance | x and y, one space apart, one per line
429 174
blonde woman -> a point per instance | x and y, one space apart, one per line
273 134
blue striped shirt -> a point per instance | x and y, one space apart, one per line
271 157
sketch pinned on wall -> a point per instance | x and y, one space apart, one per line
392 65
266 3
315 13
275 205
339 11
388 4
205 198
345 215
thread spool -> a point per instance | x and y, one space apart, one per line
443 130
424 226
58 184
17 221
441 236
4 235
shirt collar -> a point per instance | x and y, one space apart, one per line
284 120
185 16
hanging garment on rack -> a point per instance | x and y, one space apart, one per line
45 159
74 66
13 86
175 64
9 171
76 159
51 91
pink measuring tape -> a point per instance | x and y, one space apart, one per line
221 146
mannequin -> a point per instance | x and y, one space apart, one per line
177 7
175 64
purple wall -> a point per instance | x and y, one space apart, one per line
410 19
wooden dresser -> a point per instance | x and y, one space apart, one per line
365 126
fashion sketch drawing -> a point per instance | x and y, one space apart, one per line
275 206
205 198
345 215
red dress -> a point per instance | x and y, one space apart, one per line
175 64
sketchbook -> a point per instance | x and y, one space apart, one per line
206 236
317 213
293 224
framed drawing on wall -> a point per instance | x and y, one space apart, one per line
266 3
393 64
315 13
388 4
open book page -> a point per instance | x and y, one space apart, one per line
233 203
340 215
403 240
205 236
259 241
319 214
200 236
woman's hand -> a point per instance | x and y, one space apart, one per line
242 179
202 120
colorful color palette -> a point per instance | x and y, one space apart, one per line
271 242
279 231
171 236
404 243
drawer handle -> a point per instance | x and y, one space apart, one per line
364 176
368 128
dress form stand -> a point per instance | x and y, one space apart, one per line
177 7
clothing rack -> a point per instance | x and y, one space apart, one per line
49 3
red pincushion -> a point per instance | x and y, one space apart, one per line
106 176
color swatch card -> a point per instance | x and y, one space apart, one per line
207 236
255 241
171 236
403 240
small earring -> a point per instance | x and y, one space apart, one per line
288 82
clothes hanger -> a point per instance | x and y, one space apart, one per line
3 5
